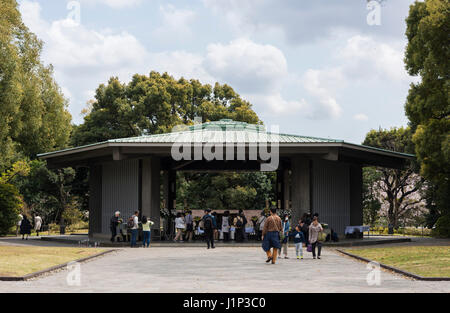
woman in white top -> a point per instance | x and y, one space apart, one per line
226 226
37 224
180 225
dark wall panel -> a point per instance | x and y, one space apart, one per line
120 190
95 199
331 193
356 211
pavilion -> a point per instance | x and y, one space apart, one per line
313 174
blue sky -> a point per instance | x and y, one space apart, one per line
312 67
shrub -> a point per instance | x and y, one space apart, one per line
10 204
442 227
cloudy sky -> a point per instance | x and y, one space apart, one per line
312 67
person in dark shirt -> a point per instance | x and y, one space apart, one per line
208 226
299 239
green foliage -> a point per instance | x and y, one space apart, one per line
428 105
442 227
45 192
231 191
33 110
72 215
155 104
9 207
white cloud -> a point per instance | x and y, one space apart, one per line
175 23
361 60
251 66
324 102
360 117
367 58
115 4
302 22
83 58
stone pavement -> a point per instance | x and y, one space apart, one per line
223 270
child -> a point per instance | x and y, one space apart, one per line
299 239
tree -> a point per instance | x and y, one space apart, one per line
225 190
9 207
155 104
371 202
428 106
399 189
33 110
45 192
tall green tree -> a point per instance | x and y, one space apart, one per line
33 110
155 104
399 189
428 106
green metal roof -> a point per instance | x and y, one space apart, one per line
225 130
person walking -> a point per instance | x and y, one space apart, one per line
25 227
271 236
314 230
189 221
239 224
146 231
180 226
114 224
19 222
299 239
285 237
134 228
37 224
260 225
208 226
226 226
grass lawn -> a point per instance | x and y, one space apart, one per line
19 260
426 261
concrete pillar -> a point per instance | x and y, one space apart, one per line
300 180
356 209
151 168
279 190
283 189
95 200
286 189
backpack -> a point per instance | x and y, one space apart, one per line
208 225
239 222
130 222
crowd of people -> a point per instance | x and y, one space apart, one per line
275 232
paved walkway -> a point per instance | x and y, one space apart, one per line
227 269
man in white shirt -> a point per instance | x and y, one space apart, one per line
134 229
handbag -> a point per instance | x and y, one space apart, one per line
309 248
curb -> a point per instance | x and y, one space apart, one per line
394 269
51 269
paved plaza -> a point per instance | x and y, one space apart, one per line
223 270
